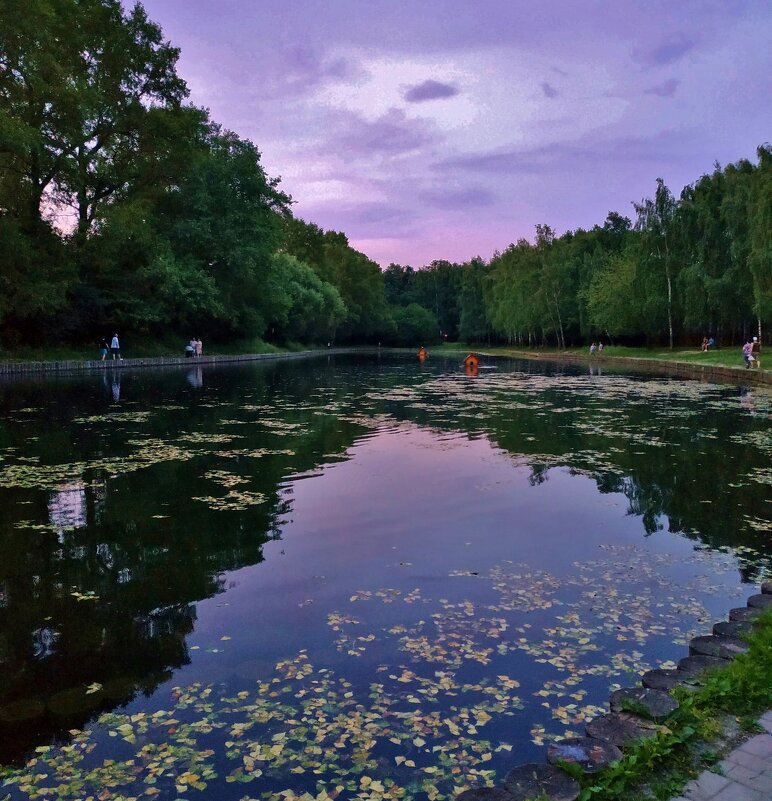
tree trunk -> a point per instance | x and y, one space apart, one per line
669 295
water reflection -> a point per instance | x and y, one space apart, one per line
67 508
122 520
195 377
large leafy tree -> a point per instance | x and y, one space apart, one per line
306 309
79 81
223 222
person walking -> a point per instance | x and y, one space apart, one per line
756 352
103 348
115 348
199 346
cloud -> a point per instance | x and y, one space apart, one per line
391 134
458 198
430 90
664 89
300 70
549 90
665 53
563 157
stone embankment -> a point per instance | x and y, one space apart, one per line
80 365
636 712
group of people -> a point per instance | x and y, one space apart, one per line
596 347
752 353
114 347
708 343
194 348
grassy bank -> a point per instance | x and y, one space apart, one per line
694 737
141 349
725 357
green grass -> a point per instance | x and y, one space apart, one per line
725 357
141 349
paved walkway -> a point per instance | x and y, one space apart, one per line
745 774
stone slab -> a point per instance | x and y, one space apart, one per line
620 728
485 794
713 645
589 753
743 613
761 601
695 666
732 628
535 780
654 704
663 679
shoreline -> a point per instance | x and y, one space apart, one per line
76 366
702 372
681 369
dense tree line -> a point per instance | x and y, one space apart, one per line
680 269
123 206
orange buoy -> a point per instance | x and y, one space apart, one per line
422 354
472 361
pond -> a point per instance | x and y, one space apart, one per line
357 576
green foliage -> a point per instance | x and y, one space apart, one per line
473 324
306 308
610 297
415 326
358 281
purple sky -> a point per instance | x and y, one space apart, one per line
428 129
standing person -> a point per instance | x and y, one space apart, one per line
593 348
704 344
756 352
103 348
115 347
600 347
199 346
748 354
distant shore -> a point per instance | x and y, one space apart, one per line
685 364
82 365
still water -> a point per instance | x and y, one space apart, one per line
360 576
